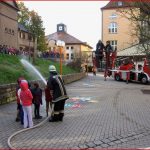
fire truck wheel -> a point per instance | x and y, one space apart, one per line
117 77
144 80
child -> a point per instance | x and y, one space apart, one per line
26 100
37 100
48 99
19 106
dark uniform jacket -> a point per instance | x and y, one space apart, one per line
99 50
56 84
99 47
108 48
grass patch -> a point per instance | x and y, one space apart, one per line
42 65
11 68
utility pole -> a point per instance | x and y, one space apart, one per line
61 45
61 60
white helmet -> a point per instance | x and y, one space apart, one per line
52 68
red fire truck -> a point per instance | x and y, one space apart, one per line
129 72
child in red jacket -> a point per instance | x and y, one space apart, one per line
26 100
48 99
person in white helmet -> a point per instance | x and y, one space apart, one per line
59 94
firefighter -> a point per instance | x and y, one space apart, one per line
59 95
108 51
99 53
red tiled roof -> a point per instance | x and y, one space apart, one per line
11 3
67 38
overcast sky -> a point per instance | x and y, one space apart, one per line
82 18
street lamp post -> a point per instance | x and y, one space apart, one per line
61 45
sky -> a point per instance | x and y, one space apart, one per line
82 18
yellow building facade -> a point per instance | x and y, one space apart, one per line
117 28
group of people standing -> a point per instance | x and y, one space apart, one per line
100 49
55 96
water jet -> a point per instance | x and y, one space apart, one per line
32 69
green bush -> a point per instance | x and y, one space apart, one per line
76 65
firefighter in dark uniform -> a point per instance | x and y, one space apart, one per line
99 53
59 95
108 51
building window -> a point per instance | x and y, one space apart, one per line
9 31
67 56
72 56
113 16
114 44
71 47
6 30
13 32
113 27
20 34
120 3
23 36
67 47
145 26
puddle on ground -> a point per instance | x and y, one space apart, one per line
78 102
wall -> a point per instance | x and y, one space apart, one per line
124 35
7 92
24 42
8 19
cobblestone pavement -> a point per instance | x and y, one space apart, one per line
7 122
99 114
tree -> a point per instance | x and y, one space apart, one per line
33 22
75 64
23 14
36 27
139 14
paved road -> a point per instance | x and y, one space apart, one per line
99 114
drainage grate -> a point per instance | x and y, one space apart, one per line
146 91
